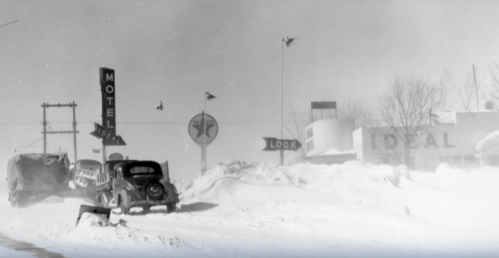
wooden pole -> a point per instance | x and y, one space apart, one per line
203 148
476 88
281 152
44 129
74 131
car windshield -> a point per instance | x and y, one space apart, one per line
141 170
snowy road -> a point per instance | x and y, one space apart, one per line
14 248
241 210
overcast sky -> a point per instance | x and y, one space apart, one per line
174 51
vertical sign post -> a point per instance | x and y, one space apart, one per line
108 104
107 131
203 129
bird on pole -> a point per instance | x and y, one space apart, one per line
160 107
288 41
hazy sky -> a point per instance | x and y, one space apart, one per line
174 51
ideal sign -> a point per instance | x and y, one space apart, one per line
107 131
429 141
272 144
108 101
109 138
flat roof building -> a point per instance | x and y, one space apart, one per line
450 137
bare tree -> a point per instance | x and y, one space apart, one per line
473 93
445 85
295 126
492 91
406 107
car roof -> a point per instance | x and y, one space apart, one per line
140 163
136 163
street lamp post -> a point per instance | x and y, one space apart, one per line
207 96
288 42
203 148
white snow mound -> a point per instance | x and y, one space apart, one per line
250 182
89 219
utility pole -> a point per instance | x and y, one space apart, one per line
45 132
476 88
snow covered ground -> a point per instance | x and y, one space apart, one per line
242 209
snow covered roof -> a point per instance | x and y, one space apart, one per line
443 118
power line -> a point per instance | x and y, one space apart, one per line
8 23
134 122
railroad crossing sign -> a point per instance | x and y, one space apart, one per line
110 138
203 129
273 144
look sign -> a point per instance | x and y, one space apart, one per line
108 99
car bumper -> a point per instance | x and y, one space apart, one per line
149 202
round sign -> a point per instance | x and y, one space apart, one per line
115 156
203 129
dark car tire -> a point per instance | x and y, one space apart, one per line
124 201
170 207
154 190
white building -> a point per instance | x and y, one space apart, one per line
452 137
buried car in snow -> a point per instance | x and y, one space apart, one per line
131 183
83 174
32 177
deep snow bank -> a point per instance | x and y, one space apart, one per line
257 210
349 183
448 199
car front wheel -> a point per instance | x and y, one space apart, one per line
124 201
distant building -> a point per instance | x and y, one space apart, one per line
328 141
450 137
334 136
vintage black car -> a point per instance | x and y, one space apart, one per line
135 184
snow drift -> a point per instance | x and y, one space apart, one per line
257 210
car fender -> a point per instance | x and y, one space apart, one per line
125 197
172 193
